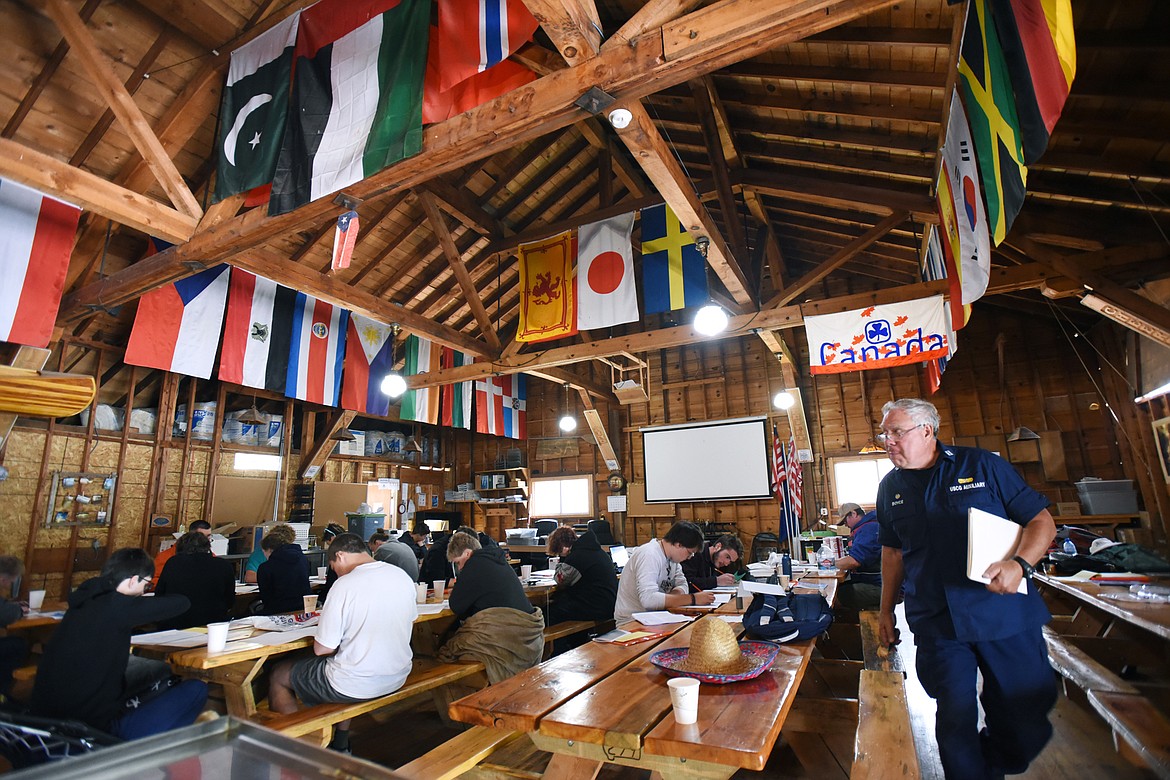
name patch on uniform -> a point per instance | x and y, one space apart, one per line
966 485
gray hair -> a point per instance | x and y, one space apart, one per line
921 412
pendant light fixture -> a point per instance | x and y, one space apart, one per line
393 384
567 423
711 319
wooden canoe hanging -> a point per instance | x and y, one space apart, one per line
44 393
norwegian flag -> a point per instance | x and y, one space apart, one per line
344 240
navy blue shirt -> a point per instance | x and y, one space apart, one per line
924 513
865 548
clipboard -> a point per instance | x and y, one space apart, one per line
990 539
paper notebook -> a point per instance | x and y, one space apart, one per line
990 538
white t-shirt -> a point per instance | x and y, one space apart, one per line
369 617
646 579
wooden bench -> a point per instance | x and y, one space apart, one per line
1076 666
1140 731
458 755
877 657
318 721
885 740
569 628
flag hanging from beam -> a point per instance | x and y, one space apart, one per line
795 484
933 268
674 274
476 35
421 357
606 291
369 346
501 406
547 301
318 351
1039 47
991 113
455 399
439 104
780 486
36 239
257 334
344 240
177 326
966 244
254 108
356 96
882 336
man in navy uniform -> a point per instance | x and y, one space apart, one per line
960 626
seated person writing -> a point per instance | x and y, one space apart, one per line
653 578
363 638
85 672
284 577
586 581
255 559
707 570
863 560
394 553
500 628
208 583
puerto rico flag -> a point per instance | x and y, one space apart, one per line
177 326
368 348
257 334
318 351
474 35
36 238
501 406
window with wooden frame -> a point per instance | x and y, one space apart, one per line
561 496
855 479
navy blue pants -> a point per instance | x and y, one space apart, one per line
1019 690
172 709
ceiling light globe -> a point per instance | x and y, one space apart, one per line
620 118
711 320
783 400
568 423
393 385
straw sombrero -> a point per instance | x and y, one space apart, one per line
715 650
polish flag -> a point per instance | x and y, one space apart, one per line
36 238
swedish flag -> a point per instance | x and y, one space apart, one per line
674 274
991 112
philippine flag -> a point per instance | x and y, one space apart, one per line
318 351
368 348
36 237
606 294
177 327
501 406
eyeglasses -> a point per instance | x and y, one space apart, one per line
897 434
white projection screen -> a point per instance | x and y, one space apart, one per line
719 460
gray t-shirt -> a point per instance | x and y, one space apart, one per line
400 555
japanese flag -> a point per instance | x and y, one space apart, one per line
606 294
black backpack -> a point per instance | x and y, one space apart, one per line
789 618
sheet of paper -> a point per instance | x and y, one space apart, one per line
725 589
990 538
660 618
280 637
174 638
242 587
763 587
731 618
722 598
431 609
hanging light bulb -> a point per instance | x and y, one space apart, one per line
783 400
711 320
393 384
567 423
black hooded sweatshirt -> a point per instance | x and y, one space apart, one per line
81 675
487 581
591 592
284 580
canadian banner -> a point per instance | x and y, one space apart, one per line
882 336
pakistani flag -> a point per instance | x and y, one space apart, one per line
255 104
422 405
455 399
356 98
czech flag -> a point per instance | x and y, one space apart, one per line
177 327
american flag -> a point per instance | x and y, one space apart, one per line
795 482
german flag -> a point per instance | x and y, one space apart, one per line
1039 47
991 112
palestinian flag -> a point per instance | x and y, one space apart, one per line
252 115
356 96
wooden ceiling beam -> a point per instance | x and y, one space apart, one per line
455 260
392 243
52 176
198 21
713 142
368 225
315 458
572 25
133 122
707 39
662 168
652 14
847 253
911 79
628 173
458 204
847 107
854 197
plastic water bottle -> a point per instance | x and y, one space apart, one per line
1069 547
786 565
827 557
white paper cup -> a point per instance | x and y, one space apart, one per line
420 593
322 571
684 698
36 599
526 571
311 603
439 586
216 637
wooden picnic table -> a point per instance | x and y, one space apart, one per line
604 703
